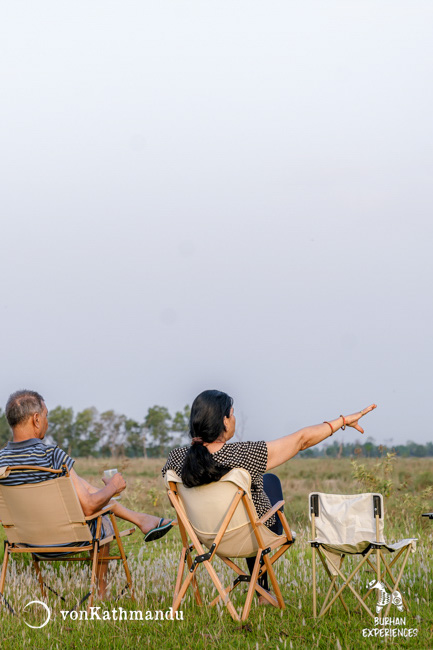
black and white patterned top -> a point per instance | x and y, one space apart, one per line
252 456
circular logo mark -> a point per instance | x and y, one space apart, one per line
39 602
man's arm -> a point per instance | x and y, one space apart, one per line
89 487
92 499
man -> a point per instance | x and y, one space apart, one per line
27 416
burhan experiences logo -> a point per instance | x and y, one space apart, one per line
388 626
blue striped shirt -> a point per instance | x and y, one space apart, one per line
32 452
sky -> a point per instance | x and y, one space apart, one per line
232 195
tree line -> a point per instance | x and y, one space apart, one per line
90 433
368 449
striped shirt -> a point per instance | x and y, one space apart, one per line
32 452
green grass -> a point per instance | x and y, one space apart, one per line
154 565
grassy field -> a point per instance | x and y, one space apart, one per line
409 483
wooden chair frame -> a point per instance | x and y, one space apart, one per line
94 548
383 574
263 563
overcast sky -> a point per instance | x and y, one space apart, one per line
232 195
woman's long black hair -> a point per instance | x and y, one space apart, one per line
206 425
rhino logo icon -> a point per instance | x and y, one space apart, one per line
385 597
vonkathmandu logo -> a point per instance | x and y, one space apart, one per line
120 614
38 602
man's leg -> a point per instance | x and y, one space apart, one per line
144 521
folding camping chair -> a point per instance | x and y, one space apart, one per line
37 515
353 525
222 517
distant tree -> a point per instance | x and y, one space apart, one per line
85 439
5 432
110 429
135 445
308 453
158 424
180 425
61 427
368 449
332 450
416 450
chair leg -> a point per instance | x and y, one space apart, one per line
217 582
260 590
397 582
194 582
314 583
39 576
93 578
384 572
4 568
378 573
274 582
333 580
232 585
123 556
346 583
227 591
393 580
251 588
177 601
180 571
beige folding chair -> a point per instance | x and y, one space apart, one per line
37 515
353 525
221 516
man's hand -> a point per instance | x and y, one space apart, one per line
92 499
117 481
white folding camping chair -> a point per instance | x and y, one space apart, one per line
353 524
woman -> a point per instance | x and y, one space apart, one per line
209 457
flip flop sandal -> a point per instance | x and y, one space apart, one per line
159 531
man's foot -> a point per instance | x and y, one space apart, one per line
159 531
146 523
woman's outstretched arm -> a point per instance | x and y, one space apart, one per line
286 447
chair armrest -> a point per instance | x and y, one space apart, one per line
122 533
270 512
105 510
